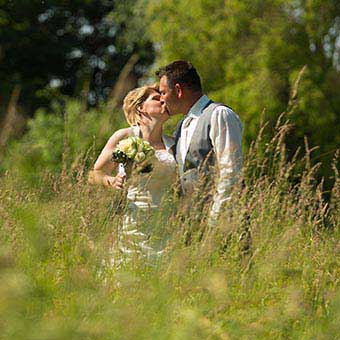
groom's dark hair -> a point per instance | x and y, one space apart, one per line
181 72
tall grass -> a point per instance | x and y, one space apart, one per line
269 268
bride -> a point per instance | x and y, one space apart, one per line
146 114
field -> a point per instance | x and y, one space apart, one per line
269 268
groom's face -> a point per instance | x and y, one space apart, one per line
169 96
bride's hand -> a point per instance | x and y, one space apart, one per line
115 182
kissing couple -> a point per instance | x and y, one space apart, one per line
209 136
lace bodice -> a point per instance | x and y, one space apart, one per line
147 189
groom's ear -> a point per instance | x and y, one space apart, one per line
179 90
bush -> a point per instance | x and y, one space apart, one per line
61 140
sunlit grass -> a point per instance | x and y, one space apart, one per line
268 269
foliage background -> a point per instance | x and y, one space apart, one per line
247 52
270 268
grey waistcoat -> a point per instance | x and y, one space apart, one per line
200 154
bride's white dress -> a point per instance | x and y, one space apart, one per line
144 195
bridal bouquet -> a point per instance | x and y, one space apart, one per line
134 151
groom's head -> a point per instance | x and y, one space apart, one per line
180 86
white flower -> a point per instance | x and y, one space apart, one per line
128 146
134 149
140 157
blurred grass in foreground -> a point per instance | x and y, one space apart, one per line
269 269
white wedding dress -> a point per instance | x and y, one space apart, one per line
144 196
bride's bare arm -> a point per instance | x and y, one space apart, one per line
104 167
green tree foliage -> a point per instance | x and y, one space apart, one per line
52 47
66 139
249 54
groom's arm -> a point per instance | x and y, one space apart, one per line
226 137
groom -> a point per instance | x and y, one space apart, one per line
210 134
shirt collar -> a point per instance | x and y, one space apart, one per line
197 108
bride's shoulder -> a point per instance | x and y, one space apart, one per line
119 135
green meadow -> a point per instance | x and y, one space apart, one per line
269 268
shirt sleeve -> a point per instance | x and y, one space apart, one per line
226 136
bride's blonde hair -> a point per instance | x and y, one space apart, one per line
133 100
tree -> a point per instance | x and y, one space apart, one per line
58 47
249 54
